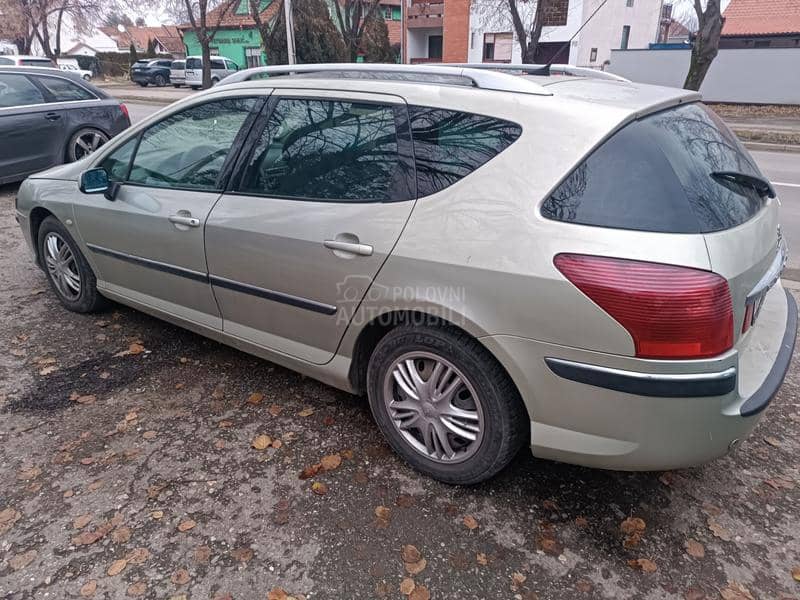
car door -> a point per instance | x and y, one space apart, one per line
322 193
31 130
148 243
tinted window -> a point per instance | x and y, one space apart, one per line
18 90
194 63
328 150
655 175
178 64
63 90
117 163
35 62
6 61
449 145
165 63
188 149
217 64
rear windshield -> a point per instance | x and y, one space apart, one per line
178 64
655 175
194 63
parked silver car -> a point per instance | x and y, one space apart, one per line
587 266
221 67
177 73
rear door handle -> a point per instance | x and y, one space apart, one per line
51 116
181 220
353 248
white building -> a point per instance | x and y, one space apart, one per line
75 40
619 24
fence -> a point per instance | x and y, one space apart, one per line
759 76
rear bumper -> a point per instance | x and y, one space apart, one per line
624 413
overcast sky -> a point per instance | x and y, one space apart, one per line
683 12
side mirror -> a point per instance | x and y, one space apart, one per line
93 181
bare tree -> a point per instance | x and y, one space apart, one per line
703 18
352 17
205 17
525 17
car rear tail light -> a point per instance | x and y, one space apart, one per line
124 110
671 312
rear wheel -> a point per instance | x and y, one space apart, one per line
445 404
176 85
87 77
68 273
83 142
214 81
159 81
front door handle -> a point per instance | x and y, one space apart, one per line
352 248
182 220
51 116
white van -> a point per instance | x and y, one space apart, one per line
221 67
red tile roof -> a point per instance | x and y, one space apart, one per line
167 35
762 17
232 20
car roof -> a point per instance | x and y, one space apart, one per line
56 72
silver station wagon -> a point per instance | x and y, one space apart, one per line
566 261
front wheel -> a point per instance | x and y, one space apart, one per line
68 273
87 77
445 404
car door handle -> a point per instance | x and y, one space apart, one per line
51 116
353 248
181 220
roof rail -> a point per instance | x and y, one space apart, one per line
479 78
545 70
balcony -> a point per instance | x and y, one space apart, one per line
425 15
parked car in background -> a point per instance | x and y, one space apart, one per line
221 67
177 73
25 60
149 70
50 116
616 303
83 73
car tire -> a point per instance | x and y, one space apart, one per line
176 85
195 87
87 77
159 81
55 241
497 417
142 83
214 81
91 137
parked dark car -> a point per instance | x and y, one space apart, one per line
149 70
49 117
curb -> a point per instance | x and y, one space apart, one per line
766 147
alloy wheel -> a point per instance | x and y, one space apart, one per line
87 142
62 266
434 407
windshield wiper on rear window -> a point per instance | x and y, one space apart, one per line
759 184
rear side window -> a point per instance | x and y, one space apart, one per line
18 90
449 145
655 174
178 64
328 150
6 61
63 90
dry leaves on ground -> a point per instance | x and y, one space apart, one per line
255 398
134 349
796 573
29 473
331 462
306 412
482 559
517 579
8 516
470 522
420 592
186 525
319 488
117 567
695 549
383 515
633 528
718 530
137 588
88 589
180 577
735 591
82 521
22 560
261 442
407 586
243 554
643 564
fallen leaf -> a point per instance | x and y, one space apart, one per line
82 521
414 568
186 525
584 585
202 554
695 549
420 593
277 594
48 370
87 460
117 567
643 564
306 412
8 516
331 462
735 591
138 588
407 586
219 444
277 444
242 554
632 525
86 537
131 416
135 348
773 441
718 530
121 535
347 454
319 488
581 521
410 553
255 398
104 375
796 573
382 512
22 560
470 522
86 399
517 579
482 559
549 545
225 424
310 471
275 410
261 442
137 556
29 473
95 485
328 421
88 589
404 501
149 435
180 577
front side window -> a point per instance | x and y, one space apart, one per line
64 91
188 149
328 150
449 145
18 90
118 162
217 64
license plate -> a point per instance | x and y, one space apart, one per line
755 299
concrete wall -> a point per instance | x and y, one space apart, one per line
764 76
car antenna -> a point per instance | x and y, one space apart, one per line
545 70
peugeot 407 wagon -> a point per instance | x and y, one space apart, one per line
583 265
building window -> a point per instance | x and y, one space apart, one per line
629 3
763 44
252 57
626 34
497 47
214 51
473 36
593 55
387 13
435 46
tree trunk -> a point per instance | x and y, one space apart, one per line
206 46
59 20
706 44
